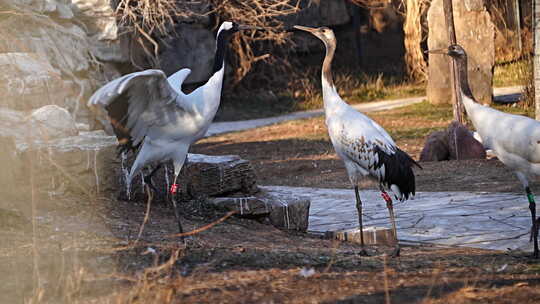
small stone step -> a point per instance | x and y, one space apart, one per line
284 211
372 235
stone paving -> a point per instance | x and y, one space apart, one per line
498 221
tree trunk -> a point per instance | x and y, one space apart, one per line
536 25
414 57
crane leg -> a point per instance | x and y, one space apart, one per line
148 178
363 251
534 227
172 196
390 207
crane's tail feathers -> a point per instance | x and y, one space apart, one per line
398 176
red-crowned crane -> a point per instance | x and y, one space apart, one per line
515 139
364 146
150 113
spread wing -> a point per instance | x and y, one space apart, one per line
138 101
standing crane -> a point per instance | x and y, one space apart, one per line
514 139
150 114
364 146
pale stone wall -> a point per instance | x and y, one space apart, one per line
475 32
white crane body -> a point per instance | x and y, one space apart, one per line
514 139
150 113
366 149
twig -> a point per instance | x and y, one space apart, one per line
206 227
147 213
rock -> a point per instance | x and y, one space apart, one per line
98 16
13 219
217 175
284 211
12 123
28 81
202 175
467 146
334 12
109 51
372 236
475 32
435 148
79 164
290 213
178 53
52 121
8 159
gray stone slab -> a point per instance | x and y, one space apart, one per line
499 221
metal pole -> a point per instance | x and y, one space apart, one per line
449 17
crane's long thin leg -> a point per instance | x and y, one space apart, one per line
363 251
390 207
534 226
532 206
172 196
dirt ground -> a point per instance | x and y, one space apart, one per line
91 251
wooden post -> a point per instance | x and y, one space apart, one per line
449 16
536 65
517 24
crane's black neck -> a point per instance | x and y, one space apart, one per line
463 78
327 63
221 49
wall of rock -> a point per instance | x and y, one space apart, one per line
55 52
475 32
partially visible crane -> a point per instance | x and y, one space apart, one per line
515 139
150 114
364 146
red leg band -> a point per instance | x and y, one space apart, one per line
173 189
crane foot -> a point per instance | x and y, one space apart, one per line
395 252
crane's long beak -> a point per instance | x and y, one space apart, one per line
305 28
438 51
249 27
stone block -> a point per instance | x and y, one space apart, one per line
217 175
290 212
372 236
286 212
475 32
202 175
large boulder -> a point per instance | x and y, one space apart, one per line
475 32
52 121
462 144
435 148
456 142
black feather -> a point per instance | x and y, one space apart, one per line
118 116
398 170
